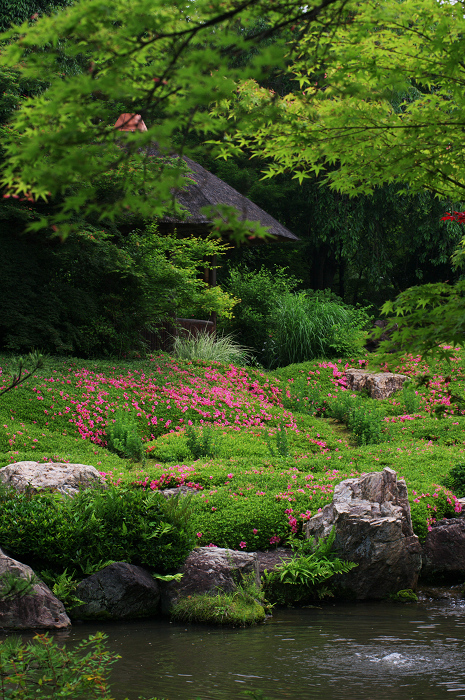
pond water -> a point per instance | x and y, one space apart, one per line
347 652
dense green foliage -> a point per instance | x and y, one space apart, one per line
147 58
70 75
94 293
284 327
19 11
367 247
427 319
94 527
259 292
380 101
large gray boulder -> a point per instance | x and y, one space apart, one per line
37 610
119 591
444 548
379 385
211 570
61 477
371 515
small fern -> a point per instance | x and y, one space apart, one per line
123 436
203 443
63 586
282 446
304 576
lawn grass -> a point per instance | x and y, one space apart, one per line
253 490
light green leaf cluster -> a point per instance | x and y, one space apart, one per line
382 100
426 318
166 61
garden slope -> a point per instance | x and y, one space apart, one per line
271 468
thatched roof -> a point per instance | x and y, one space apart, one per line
206 190
209 190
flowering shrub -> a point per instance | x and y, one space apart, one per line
243 493
428 508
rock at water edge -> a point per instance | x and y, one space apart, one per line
119 591
41 610
371 515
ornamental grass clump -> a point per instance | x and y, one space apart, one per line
210 348
303 327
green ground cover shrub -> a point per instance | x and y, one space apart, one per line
94 527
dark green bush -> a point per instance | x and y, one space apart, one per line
259 291
49 531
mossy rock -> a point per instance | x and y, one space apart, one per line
406 595
221 609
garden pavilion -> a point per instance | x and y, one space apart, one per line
206 190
